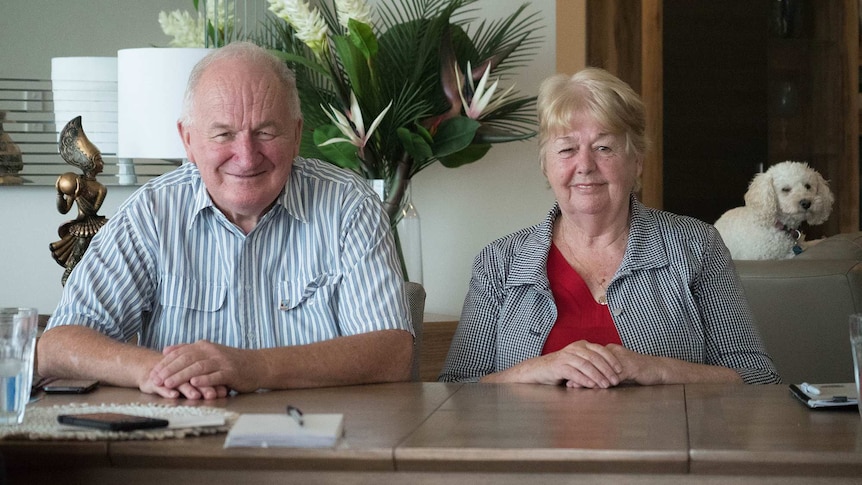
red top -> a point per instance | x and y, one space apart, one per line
579 315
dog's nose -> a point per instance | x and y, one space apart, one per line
805 203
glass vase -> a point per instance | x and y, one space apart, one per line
409 230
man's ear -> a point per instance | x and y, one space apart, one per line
299 129
185 136
297 136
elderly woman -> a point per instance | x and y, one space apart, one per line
604 291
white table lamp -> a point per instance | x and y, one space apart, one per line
151 83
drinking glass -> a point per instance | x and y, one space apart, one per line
856 344
18 327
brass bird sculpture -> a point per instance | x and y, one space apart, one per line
77 150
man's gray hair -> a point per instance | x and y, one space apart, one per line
249 52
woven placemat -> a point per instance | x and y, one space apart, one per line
41 423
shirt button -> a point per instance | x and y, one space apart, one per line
617 311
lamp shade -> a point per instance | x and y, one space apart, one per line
151 83
87 87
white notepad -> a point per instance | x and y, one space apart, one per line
272 430
195 421
826 395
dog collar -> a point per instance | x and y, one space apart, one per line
794 233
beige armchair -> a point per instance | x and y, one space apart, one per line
416 305
801 307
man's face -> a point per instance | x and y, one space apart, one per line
242 137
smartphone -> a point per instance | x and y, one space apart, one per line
112 421
70 386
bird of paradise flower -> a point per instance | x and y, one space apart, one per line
429 82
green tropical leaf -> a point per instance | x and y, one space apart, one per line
342 154
515 33
362 36
354 64
426 135
415 145
516 116
399 59
454 135
491 134
291 58
469 154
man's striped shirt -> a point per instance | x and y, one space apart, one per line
170 268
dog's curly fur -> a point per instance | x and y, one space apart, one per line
776 203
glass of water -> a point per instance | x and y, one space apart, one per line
856 344
18 327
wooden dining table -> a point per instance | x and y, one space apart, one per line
763 430
428 432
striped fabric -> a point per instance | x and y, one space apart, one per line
171 268
676 294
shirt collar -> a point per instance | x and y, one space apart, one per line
290 198
645 248
529 266
202 197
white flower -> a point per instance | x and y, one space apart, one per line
308 23
352 125
225 17
352 9
188 31
185 30
480 101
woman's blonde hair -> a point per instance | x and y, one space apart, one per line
598 94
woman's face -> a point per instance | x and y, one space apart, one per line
589 170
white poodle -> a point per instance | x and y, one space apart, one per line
776 203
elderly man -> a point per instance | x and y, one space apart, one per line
248 268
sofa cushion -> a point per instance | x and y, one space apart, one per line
841 246
801 308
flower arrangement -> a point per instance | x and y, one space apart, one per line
389 97
214 26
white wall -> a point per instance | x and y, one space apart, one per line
461 209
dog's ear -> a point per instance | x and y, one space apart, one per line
826 197
761 197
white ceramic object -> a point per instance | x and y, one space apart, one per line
87 86
151 83
88 117
88 95
98 69
90 127
95 106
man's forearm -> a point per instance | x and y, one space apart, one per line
79 352
379 356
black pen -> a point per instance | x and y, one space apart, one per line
296 414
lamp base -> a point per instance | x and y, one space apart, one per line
126 171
